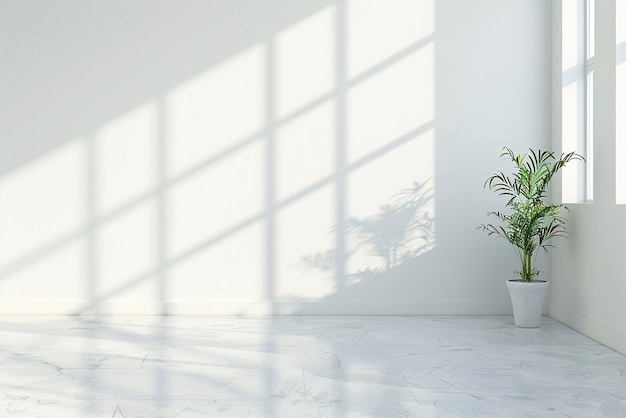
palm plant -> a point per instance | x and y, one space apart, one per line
532 221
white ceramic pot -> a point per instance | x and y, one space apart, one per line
527 300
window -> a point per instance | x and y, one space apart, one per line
577 91
620 101
589 71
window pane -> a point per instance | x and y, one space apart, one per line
589 137
591 17
620 99
574 96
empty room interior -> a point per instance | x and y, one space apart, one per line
308 208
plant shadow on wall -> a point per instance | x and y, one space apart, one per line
400 232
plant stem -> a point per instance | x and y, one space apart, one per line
527 274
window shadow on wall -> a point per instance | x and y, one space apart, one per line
211 190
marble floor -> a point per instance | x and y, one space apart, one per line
303 366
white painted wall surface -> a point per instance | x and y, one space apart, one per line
588 269
250 157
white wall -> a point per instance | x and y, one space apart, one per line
588 284
249 157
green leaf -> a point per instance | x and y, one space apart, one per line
529 221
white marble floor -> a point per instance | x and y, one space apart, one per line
396 366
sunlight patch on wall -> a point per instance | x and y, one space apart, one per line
305 61
215 111
392 103
126 251
304 227
379 29
43 202
620 105
181 203
55 275
305 150
125 158
222 196
232 269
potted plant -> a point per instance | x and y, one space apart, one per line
528 224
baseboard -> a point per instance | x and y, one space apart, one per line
601 333
256 308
